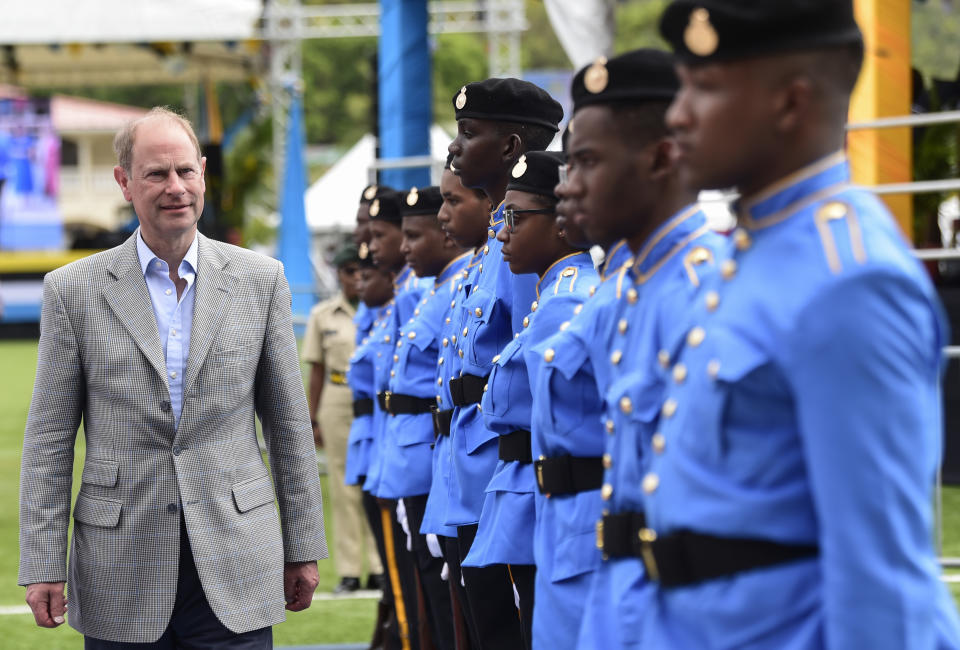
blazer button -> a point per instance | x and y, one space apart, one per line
165 406
171 507
177 450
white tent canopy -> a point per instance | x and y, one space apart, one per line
331 201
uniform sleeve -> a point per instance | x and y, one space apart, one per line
865 370
282 407
46 473
313 338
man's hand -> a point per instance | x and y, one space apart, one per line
48 603
299 582
317 434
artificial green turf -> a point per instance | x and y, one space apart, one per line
341 621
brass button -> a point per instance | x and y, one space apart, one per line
664 358
606 492
679 373
447 321
669 408
496 358
485 387
622 326
386 339
465 330
396 358
742 239
534 305
615 357
659 442
491 234
416 312
564 325
549 354
607 461
440 362
696 336
626 405
728 269
460 287
460 352
452 303
411 336
610 426
478 312
650 483
480 269
446 342
712 300
399 344
439 381
578 309
393 373
526 321
486 249
632 296
592 291
713 368
453 339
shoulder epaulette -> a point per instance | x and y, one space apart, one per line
697 256
839 211
571 273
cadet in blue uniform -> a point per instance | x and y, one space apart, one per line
361 237
376 290
464 217
407 453
385 241
533 242
621 186
788 493
498 121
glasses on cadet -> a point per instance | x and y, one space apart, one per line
564 174
510 215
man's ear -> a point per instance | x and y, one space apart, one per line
120 174
792 103
662 161
512 148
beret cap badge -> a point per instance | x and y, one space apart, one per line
596 77
520 168
363 251
461 98
375 208
413 197
370 192
700 36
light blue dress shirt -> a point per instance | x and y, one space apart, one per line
174 317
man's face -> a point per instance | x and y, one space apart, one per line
376 286
722 122
385 239
423 245
606 193
361 232
477 152
165 182
464 215
349 277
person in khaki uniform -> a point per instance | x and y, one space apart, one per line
327 347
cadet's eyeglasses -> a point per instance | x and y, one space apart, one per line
564 174
510 216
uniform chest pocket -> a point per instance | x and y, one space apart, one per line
565 383
699 405
482 311
504 384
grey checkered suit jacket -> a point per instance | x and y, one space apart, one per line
100 358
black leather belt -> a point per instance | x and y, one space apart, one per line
467 390
397 403
515 446
685 557
441 422
362 407
568 474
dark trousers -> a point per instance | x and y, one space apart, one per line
458 595
193 625
403 575
436 594
524 576
490 599
372 510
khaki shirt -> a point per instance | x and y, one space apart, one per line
330 337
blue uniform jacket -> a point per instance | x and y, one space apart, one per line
449 365
505 535
360 378
407 455
803 407
493 307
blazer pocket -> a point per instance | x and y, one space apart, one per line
97 511
100 472
252 493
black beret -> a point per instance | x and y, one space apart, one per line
717 30
424 201
386 206
637 76
537 172
508 100
349 253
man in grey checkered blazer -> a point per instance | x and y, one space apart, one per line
168 347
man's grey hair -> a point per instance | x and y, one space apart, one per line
123 141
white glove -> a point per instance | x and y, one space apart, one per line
402 519
445 572
516 595
433 545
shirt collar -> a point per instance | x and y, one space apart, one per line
824 177
666 239
146 255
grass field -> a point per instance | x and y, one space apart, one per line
337 621
341 621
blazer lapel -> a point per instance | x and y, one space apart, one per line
130 301
211 303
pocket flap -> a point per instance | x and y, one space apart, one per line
252 493
737 356
480 303
96 511
100 472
